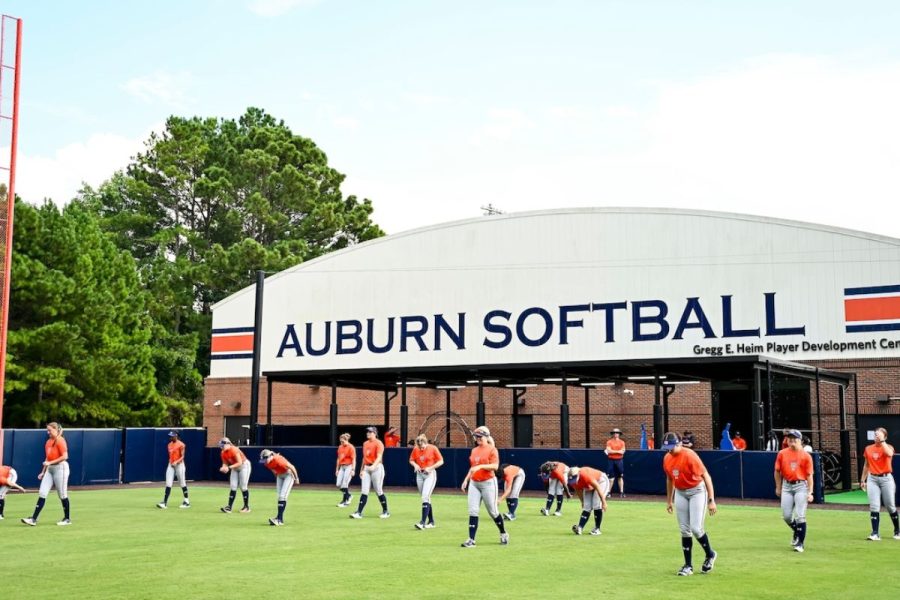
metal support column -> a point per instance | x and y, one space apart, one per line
447 422
333 416
479 405
818 409
658 427
564 416
269 434
404 415
757 418
257 344
846 481
587 417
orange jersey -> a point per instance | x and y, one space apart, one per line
615 447
371 449
278 465
685 469
4 474
176 451
483 455
509 473
878 461
53 449
794 465
586 478
559 473
739 443
391 440
426 457
233 456
346 454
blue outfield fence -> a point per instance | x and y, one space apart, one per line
101 456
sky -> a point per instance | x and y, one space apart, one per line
434 110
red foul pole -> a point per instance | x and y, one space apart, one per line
10 206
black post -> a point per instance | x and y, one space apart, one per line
447 422
404 415
269 433
666 392
564 415
757 418
479 406
387 409
516 394
818 409
846 482
333 416
587 417
770 395
658 428
257 345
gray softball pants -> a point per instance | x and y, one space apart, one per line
483 491
881 491
794 501
690 508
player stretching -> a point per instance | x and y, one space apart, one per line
344 468
285 476
8 477
879 484
372 474
175 468
513 480
592 487
425 460
690 488
484 460
54 474
794 485
236 464
557 485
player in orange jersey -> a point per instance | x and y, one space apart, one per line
513 479
615 451
557 486
8 478
739 442
372 474
285 477
689 487
481 485
425 459
592 487
794 485
175 468
391 438
878 482
55 473
344 469
238 467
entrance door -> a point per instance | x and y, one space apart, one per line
237 429
732 402
524 433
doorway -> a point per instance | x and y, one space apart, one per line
523 433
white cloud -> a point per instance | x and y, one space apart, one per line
274 8
345 123
503 124
161 87
60 176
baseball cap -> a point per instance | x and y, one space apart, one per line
793 433
371 429
173 433
224 441
616 430
477 433
670 440
265 455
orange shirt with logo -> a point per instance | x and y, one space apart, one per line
509 473
278 465
739 443
233 456
176 451
586 478
4 474
615 447
559 473
54 449
346 454
879 462
685 469
371 449
391 440
483 455
794 465
426 457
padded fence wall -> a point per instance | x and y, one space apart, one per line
94 454
145 456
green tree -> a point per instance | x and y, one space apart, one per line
79 338
211 200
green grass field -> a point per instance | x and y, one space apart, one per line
121 546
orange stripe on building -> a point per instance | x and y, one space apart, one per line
231 343
872 309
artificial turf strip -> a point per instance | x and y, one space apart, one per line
121 546
851 497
